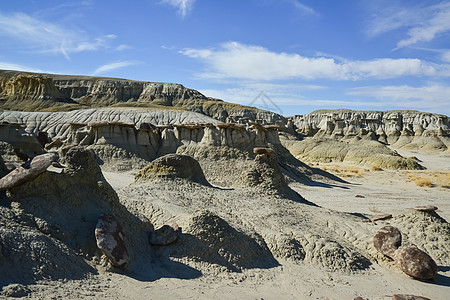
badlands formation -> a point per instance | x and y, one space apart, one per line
113 189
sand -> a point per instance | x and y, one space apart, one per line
177 277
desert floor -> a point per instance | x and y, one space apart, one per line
367 192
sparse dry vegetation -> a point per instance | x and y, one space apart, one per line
430 179
343 171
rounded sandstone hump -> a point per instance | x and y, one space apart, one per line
173 166
415 263
27 171
165 235
387 240
110 240
261 150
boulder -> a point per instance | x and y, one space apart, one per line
415 263
110 240
27 171
387 240
165 235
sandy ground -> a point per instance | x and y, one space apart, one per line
378 192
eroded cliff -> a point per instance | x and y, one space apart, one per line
25 91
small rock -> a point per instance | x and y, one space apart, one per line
27 171
110 239
387 240
408 297
165 235
360 196
261 150
426 208
415 263
380 217
358 298
21 155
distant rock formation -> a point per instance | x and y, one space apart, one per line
410 130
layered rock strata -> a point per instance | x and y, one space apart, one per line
401 129
39 92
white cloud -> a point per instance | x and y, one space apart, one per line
48 37
431 96
239 61
16 67
114 66
184 6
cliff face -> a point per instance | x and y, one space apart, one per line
401 129
39 92
121 134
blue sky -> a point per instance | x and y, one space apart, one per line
299 55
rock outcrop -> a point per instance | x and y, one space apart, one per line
39 92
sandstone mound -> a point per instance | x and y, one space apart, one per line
173 166
265 174
359 152
66 207
28 253
210 238
428 231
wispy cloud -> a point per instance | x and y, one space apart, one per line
429 97
16 67
114 66
301 7
183 6
47 37
423 22
438 23
239 61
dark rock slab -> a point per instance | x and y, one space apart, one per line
426 208
408 297
110 240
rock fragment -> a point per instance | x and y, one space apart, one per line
408 297
27 171
110 240
415 263
261 150
165 235
387 240
426 208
